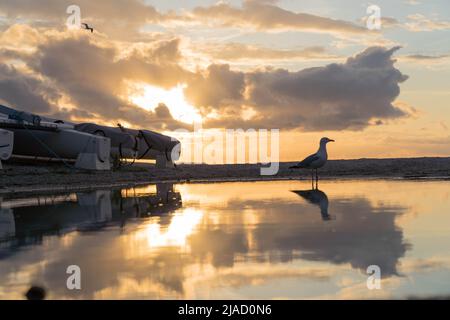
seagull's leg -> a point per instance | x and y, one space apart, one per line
317 180
312 178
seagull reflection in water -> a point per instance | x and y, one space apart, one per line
317 198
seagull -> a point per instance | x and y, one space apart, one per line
316 160
86 26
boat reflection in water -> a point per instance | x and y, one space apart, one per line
230 240
7 224
26 221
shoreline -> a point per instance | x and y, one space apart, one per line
87 188
55 178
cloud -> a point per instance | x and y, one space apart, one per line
240 51
424 265
119 18
414 23
92 77
351 95
19 88
412 2
20 37
427 59
266 16
108 18
223 86
136 10
386 22
420 23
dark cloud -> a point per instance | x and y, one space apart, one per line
19 89
165 119
426 58
165 51
216 86
334 97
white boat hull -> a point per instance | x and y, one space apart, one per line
89 151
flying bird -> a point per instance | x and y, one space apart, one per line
86 26
316 160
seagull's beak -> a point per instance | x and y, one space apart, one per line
331 140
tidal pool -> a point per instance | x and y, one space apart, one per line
237 240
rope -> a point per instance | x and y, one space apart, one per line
148 145
122 160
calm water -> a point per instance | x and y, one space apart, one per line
231 240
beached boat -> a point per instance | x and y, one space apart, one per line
6 145
36 138
137 144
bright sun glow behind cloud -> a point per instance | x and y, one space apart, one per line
173 98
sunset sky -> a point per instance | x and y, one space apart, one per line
308 68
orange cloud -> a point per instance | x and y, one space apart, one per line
265 15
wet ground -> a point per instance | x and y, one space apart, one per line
235 240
